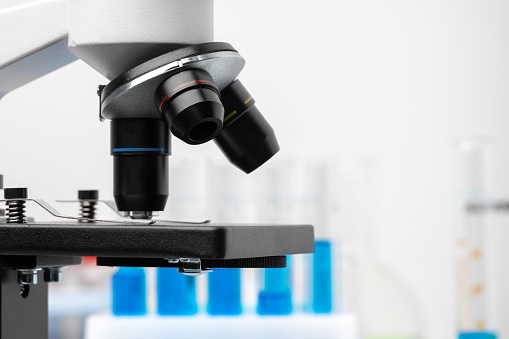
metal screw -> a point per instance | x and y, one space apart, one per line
53 274
16 204
88 200
27 276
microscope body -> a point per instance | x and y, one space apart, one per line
166 77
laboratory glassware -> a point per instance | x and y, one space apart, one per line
472 206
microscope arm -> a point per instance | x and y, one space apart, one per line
34 42
110 36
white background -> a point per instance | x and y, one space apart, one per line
395 80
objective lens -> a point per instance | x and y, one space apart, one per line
247 139
140 149
189 102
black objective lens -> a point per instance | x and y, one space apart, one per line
247 139
140 149
189 102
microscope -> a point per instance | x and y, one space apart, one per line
166 76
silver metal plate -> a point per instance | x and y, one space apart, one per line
135 98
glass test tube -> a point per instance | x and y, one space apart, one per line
313 202
472 207
275 297
223 197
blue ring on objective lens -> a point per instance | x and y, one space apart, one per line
140 149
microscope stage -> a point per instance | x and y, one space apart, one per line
151 245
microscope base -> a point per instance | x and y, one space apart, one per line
22 318
24 308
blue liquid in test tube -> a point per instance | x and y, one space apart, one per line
176 293
224 292
477 335
322 277
129 292
276 298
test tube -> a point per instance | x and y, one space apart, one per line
270 183
313 201
224 285
275 297
320 181
224 292
471 251
176 292
322 277
129 293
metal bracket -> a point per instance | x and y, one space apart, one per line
111 204
190 266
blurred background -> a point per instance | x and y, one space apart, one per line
401 105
